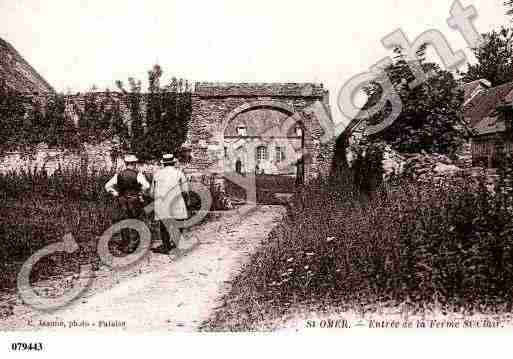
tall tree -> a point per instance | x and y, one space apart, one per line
494 58
89 117
430 119
154 106
168 112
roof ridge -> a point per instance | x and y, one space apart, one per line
20 58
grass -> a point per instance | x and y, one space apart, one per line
28 226
446 247
39 209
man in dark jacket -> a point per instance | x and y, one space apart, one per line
128 186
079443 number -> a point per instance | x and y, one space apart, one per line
22 347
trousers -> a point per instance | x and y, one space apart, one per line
130 207
169 234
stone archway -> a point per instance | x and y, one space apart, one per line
216 105
268 125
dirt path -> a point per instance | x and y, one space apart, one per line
175 292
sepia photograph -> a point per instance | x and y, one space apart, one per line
282 167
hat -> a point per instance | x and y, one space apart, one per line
130 159
168 158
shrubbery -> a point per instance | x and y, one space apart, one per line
26 121
163 127
444 247
39 209
63 184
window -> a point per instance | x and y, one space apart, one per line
280 154
261 153
241 131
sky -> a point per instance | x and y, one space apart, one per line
75 44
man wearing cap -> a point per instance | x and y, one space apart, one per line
169 185
128 186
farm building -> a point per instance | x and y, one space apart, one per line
489 113
18 74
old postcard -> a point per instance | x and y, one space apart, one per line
283 167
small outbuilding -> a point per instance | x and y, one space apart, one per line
489 113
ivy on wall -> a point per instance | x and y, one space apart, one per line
156 124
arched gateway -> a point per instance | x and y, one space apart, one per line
241 127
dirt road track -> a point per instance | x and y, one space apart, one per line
163 293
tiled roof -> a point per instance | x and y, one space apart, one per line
485 103
18 74
489 125
479 110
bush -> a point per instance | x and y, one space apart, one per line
28 225
70 184
449 246
38 209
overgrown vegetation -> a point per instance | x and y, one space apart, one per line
445 247
27 121
168 109
493 58
430 118
39 209
157 121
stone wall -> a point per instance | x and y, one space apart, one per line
99 157
213 105
216 104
